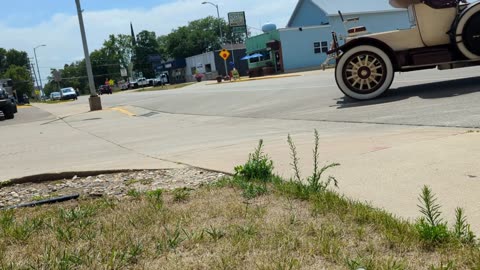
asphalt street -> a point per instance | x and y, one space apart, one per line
430 98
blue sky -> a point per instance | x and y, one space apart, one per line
24 13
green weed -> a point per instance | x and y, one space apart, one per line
431 227
258 167
181 194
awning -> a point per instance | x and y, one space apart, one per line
252 56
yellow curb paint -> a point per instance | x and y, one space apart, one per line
122 110
24 107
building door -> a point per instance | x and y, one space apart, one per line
278 61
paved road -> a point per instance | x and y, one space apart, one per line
432 98
27 115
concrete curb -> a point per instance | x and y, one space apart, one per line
48 177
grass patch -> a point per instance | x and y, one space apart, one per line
217 227
166 87
254 220
55 101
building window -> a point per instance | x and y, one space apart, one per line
208 68
320 47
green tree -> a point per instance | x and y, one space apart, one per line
22 80
147 45
3 60
198 37
119 50
17 58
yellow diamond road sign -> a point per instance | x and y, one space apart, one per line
224 54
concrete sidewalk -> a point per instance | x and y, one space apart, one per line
385 165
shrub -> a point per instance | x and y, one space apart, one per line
258 167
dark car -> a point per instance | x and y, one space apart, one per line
105 89
7 106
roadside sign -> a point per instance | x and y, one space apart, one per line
123 72
224 54
236 19
239 29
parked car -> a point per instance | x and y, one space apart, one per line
55 96
444 34
140 82
125 86
7 106
105 89
68 93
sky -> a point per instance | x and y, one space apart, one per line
25 24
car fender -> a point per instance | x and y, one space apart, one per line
373 42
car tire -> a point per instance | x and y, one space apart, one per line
364 72
9 114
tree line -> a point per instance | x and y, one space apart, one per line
15 65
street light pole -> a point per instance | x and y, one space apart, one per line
94 100
220 28
218 16
38 69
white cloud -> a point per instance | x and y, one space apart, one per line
62 35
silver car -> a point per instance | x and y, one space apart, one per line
68 93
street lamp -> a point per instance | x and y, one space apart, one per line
218 16
219 27
38 69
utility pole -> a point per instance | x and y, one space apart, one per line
220 28
34 77
94 100
38 69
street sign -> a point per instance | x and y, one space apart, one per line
123 72
239 29
236 19
224 54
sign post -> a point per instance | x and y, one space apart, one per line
225 55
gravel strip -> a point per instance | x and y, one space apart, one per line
111 185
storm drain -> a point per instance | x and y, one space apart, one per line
150 114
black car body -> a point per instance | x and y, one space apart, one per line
105 89
7 106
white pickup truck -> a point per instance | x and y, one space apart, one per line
140 82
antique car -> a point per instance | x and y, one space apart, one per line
445 34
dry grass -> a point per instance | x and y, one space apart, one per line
215 227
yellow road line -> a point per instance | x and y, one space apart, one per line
122 110
23 106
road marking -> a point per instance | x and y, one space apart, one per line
24 106
122 110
